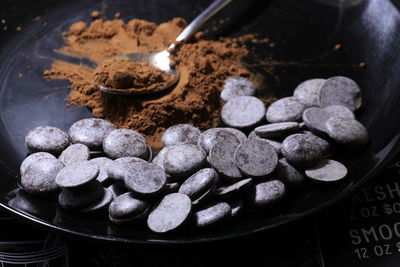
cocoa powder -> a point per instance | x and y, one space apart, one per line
203 65
127 76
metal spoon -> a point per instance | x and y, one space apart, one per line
161 59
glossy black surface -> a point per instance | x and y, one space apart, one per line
304 33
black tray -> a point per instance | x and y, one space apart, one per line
304 33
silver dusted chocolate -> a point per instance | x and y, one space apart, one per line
74 153
125 143
145 178
237 86
127 206
77 175
173 210
34 158
198 183
256 158
90 132
243 112
212 214
103 164
222 159
285 109
340 90
117 169
100 205
307 92
214 135
79 199
181 134
39 175
232 190
46 139
347 132
277 130
303 150
185 159
267 193
327 171
289 175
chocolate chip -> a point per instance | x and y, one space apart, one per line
103 164
198 183
101 204
212 214
74 153
347 131
145 178
90 132
171 187
256 158
276 145
46 139
125 143
34 158
237 207
159 159
117 190
222 159
289 175
285 109
79 199
127 206
205 197
77 175
39 174
181 134
339 111
212 136
315 118
232 190
327 171
117 169
243 112
132 220
266 193
307 92
239 134
277 130
173 210
303 150
182 160
340 90
237 86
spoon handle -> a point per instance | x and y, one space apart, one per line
199 21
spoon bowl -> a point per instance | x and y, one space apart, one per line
161 60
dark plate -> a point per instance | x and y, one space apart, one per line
304 33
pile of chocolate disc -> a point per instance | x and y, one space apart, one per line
199 178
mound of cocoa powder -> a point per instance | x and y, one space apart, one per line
128 75
203 65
